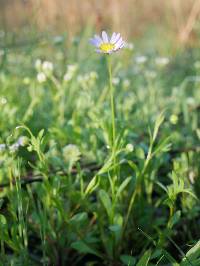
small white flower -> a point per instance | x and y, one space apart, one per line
93 75
47 67
162 61
71 154
150 74
22 141
14 147
72 68
129 147
115 80
140 59
107 45
3 100
2 147
67 77
41 77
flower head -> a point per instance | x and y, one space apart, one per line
2 147
71 70
22 141
47 66
129 147
141 59
14 147
162 61
41 77
71 154
107 45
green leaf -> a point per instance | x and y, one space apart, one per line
159 121
3 222
82 247
40 134
140 153
194 252
115 228
191 255
123 185
3 228
128 260
79 217
145 259
134 167
118 219
174 219
105 199
92 185
1 203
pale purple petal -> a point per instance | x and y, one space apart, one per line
98 38
94 42
113 37
105 37
117 37
98 51
118 44
120 39
122 45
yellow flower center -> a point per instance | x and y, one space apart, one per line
106 47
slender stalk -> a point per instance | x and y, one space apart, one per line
113 144
111 102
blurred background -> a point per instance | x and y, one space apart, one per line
175 20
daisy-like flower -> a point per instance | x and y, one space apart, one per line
107 45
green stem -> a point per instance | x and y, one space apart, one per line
113 140
111 102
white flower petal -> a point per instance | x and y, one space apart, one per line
117 37
118 43
113 37
122 45
105 37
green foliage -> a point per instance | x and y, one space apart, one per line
192 257
73 191
144 259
